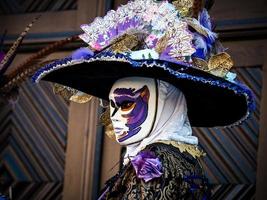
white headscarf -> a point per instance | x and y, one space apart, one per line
171 122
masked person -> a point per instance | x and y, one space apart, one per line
149 117
162 68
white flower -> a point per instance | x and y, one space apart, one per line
230 76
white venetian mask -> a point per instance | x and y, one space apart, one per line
133 108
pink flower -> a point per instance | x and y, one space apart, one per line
151 40
96 46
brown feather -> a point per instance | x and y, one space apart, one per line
9 57
32 64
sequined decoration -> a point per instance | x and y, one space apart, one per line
154 19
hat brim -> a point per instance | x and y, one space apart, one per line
212 101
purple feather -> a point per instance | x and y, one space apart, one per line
201 46
81 53
205 21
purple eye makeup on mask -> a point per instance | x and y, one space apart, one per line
133 106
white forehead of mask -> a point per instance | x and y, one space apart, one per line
135 83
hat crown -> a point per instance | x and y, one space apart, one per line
177 31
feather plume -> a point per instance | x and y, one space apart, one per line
204 19
33 63
201 46
195 24
9 57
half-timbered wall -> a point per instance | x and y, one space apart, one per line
49 150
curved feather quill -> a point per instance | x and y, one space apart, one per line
9 57
33 63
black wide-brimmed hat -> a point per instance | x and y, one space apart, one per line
158 40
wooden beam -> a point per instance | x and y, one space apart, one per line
80 155
247 53
110 159
79 165
88 11
239 10
50 23
261 191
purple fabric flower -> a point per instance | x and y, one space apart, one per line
147 166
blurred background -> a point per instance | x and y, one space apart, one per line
53 149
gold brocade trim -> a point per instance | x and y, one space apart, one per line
70 94
106 121
80 97
193 150
162 43
125 43
109 131
63 91
184 6
218 65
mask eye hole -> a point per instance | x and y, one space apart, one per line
127 105
112 104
